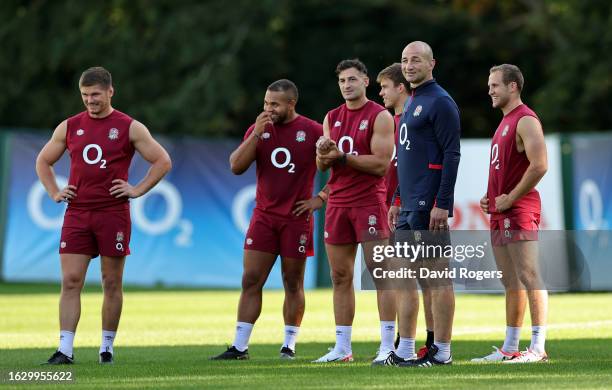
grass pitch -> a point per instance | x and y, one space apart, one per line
166 337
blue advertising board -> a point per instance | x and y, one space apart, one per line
592 206
188 231
592 178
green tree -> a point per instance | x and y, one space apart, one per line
202 67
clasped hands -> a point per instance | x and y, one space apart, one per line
327 151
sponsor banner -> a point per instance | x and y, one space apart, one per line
592 203
189 230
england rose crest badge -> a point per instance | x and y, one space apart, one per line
113 133
417 235
417 110
300 136
363 125
372 220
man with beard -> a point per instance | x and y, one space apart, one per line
283 145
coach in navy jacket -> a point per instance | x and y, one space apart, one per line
428 151
427 162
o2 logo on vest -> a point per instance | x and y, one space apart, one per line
495 156
98 155
343 140
283 163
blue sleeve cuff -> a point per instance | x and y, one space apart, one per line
443 204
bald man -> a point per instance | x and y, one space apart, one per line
428 153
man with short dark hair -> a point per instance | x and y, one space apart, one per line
282 143
357 145
518 163
101 142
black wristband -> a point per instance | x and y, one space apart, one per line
343 159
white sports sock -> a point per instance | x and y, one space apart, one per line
405 349
108 337
511 343
291 333
444 351
343 339
66 342
387 335
538 338
243 333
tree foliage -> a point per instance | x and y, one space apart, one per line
201 67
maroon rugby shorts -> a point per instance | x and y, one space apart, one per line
288 237
96 232
350 225
513 227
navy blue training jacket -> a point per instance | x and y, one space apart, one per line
428 149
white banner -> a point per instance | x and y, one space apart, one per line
473 177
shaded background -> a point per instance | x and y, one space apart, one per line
201 67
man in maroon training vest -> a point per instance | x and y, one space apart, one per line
357 145
282 144
518 162
101 142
